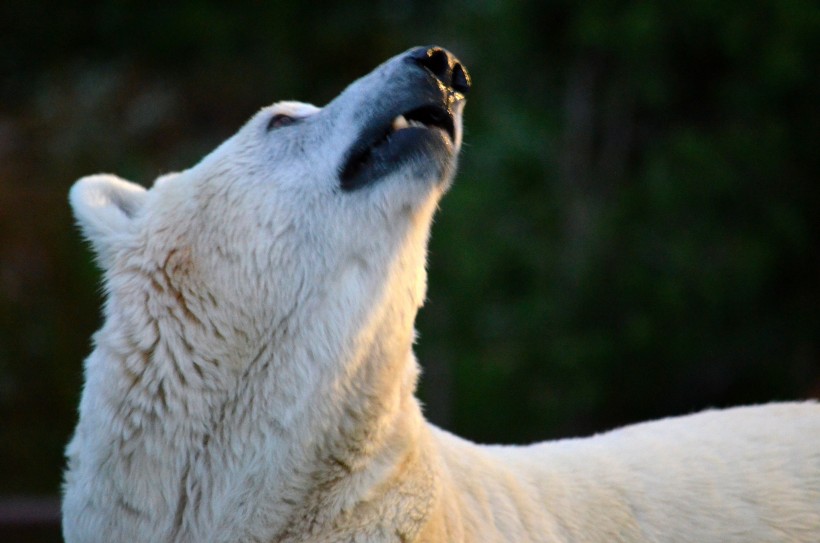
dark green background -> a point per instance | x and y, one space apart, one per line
633 233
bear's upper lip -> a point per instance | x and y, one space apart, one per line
392 136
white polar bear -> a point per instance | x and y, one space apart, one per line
254 379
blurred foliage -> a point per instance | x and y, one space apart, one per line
634 232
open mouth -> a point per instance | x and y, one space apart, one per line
387 144
426 117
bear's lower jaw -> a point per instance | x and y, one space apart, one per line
418 123
396 150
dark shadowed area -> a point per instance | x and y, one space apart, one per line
633 234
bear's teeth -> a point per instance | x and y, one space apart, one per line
400 122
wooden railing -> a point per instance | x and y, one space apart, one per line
26 519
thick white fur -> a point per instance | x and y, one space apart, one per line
254 379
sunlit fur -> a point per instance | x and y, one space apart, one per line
254 378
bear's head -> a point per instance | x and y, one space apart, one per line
307 218
259 312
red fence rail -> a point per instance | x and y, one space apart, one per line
29 519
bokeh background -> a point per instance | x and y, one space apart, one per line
633 233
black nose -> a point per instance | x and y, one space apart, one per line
444 66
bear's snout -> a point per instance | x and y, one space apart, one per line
444 66
412 116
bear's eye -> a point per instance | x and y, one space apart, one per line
279 120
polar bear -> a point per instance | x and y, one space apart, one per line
254 380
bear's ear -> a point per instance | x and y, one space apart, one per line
104 206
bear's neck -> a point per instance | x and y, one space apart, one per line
363 426
297 436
